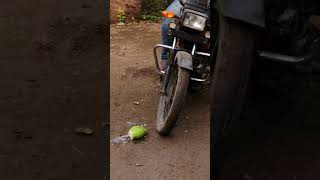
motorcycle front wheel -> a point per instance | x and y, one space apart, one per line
171 101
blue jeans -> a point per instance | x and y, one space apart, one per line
175 7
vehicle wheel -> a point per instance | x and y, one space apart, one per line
171 102
229 81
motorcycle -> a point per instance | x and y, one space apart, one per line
284 32
189 59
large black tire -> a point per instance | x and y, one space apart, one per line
231 74
176 93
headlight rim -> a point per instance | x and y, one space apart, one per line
195 15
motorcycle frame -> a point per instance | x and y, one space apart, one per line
254 12
175 49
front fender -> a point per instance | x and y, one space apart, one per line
250 11
184 60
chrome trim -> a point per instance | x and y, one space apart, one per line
203 54
156 61
174 43
193 49
199 80
155 57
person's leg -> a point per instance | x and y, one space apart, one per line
175 7
166 40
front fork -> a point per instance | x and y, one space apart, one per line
166 80
168 71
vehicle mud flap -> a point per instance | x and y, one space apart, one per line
184 60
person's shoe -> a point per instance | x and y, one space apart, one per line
163 66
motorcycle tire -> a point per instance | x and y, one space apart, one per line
236 48
170 104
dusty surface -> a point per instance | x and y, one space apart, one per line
130 7
51 74
184 155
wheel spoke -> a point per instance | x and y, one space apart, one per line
170 91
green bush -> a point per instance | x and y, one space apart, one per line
151 9
150 18
121 16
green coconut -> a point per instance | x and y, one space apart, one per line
137 132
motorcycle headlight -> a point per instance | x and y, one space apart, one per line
194 21
172 25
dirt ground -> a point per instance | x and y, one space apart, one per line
51 72
186 154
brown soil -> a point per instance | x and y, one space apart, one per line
131 8
185 154
51 82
